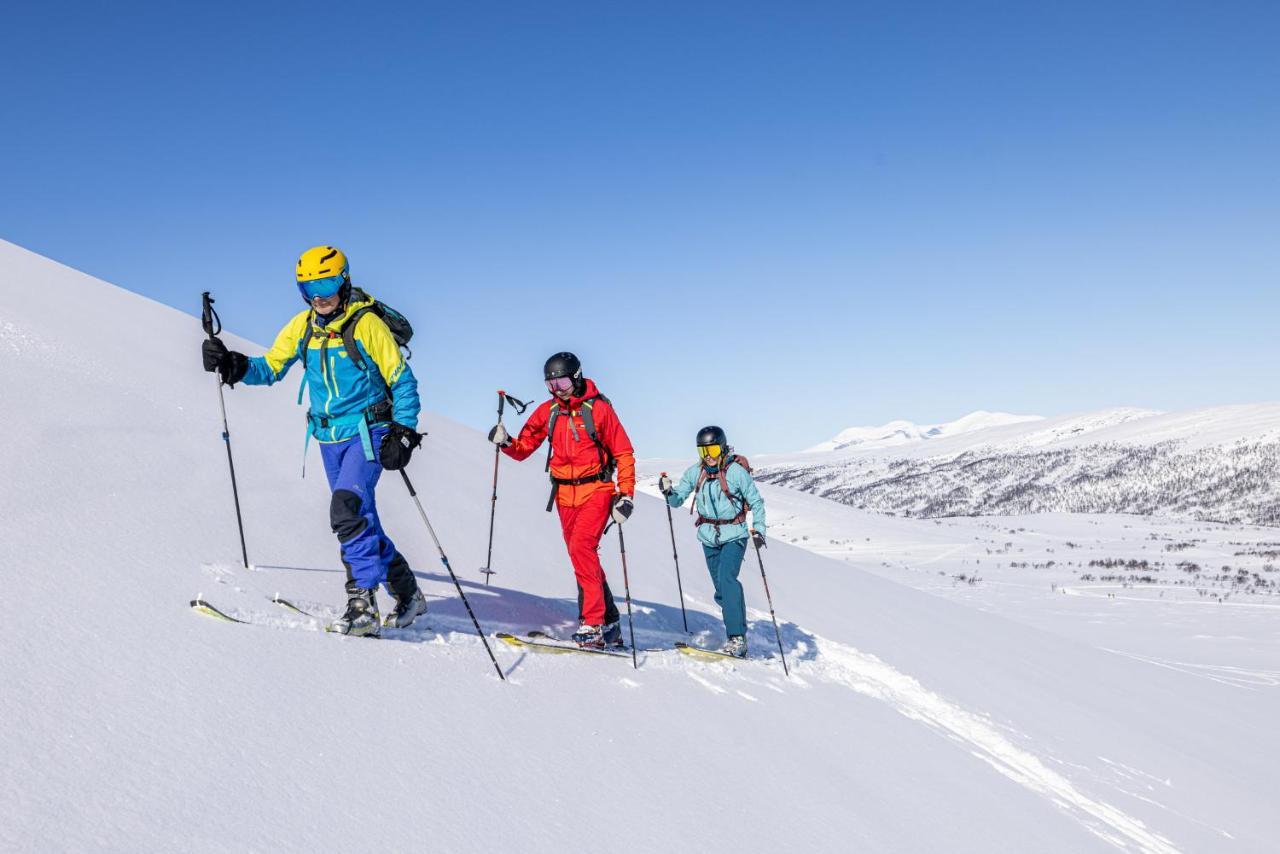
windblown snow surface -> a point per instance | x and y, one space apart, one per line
909 723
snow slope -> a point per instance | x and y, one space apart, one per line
132 724
897 433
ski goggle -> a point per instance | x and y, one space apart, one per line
713 451
321 288
559 385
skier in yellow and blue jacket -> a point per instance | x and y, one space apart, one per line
723 491
364 413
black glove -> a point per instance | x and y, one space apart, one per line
499 436
228 364
758 539
397 446
664 485
622 507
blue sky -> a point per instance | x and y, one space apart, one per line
782 218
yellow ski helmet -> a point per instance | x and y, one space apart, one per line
322 272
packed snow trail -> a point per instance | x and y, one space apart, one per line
868 675
827 660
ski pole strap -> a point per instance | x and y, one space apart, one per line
518 405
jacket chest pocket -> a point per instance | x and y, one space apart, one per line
573 430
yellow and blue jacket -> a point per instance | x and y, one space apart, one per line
346 401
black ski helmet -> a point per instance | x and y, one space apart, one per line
562 365
712 435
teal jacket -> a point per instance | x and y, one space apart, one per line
342 394
712 503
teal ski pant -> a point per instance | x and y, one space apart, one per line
723 562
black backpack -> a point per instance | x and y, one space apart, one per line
401 329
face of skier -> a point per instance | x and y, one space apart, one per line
561 387
326 305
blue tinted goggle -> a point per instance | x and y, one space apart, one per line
322 288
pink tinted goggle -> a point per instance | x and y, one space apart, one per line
559 384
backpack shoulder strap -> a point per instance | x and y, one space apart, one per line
551 426
349 337
589 421
724 480
697 487
304 340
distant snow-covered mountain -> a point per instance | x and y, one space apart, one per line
902 432
1219 463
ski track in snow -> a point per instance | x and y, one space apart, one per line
868 675
1225 674
835 663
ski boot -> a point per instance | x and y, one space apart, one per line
406 611
361 618
589 637
612 635
736 646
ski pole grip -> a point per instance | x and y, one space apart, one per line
208 316
502 400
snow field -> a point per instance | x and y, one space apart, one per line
911 723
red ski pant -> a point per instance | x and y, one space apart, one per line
583 526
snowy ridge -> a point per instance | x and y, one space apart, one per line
1217 464
897 433
910 724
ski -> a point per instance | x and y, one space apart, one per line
202 607
698 652
289 606
551 647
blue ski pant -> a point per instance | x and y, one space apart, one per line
367 551
723 562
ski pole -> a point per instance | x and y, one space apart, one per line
213 327
444 559
767 595
626 588
519 406
676 557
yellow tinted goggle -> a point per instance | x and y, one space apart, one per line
712 451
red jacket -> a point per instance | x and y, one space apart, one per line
573 454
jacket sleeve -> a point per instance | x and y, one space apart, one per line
746 487
682 489
616 440
274 364
531 435
376 339
405 403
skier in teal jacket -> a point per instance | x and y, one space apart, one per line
725 492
